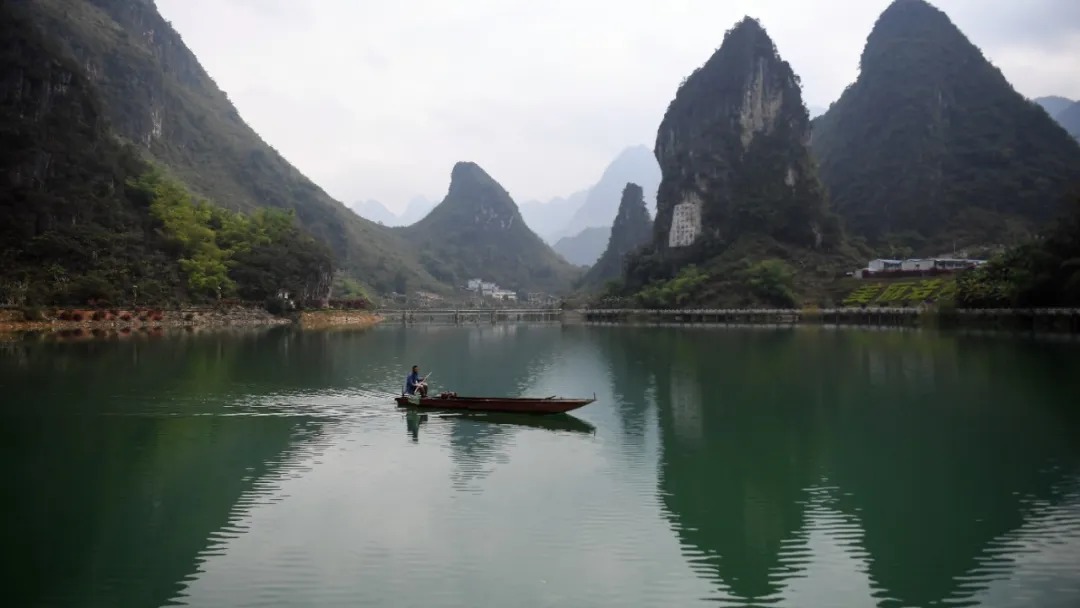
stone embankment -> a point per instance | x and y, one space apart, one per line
325 319
65 319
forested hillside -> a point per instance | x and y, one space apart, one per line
157 96
932 148
84 218
478 232
1036 274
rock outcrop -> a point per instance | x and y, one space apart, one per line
632 229
477 232
931 147
734 151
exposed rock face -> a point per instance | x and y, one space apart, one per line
933 147
42 97
632 229
477 232
733 149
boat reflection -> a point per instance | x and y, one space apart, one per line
553 422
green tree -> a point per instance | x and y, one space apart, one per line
773 281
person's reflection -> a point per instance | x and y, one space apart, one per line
413 420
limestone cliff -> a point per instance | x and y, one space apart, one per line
734 151
632 229
477 232
742 219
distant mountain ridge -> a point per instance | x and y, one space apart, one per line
597 205
477 232
417 208
375 211
585 247
548 219
1070 119
634 164
1054 104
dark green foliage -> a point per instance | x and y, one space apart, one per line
157 96
676 293
632 230
1042 273
73 230
477 232
931 147
84 220
754 271
773 281
223 253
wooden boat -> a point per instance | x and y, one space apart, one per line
510 405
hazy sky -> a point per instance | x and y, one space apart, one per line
378 98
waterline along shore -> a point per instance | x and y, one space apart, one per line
137 318
1040 319
1037 319
1065 320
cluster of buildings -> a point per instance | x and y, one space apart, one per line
915 267
491 290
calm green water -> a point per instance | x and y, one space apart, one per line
792 467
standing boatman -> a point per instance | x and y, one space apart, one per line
414 383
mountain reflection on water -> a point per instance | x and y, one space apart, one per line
923 458
801 467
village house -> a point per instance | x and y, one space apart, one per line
886 267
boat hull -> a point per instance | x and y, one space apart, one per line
495 404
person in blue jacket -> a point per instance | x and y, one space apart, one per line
414 383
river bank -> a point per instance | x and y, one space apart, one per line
1048 319
337 319
143 319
